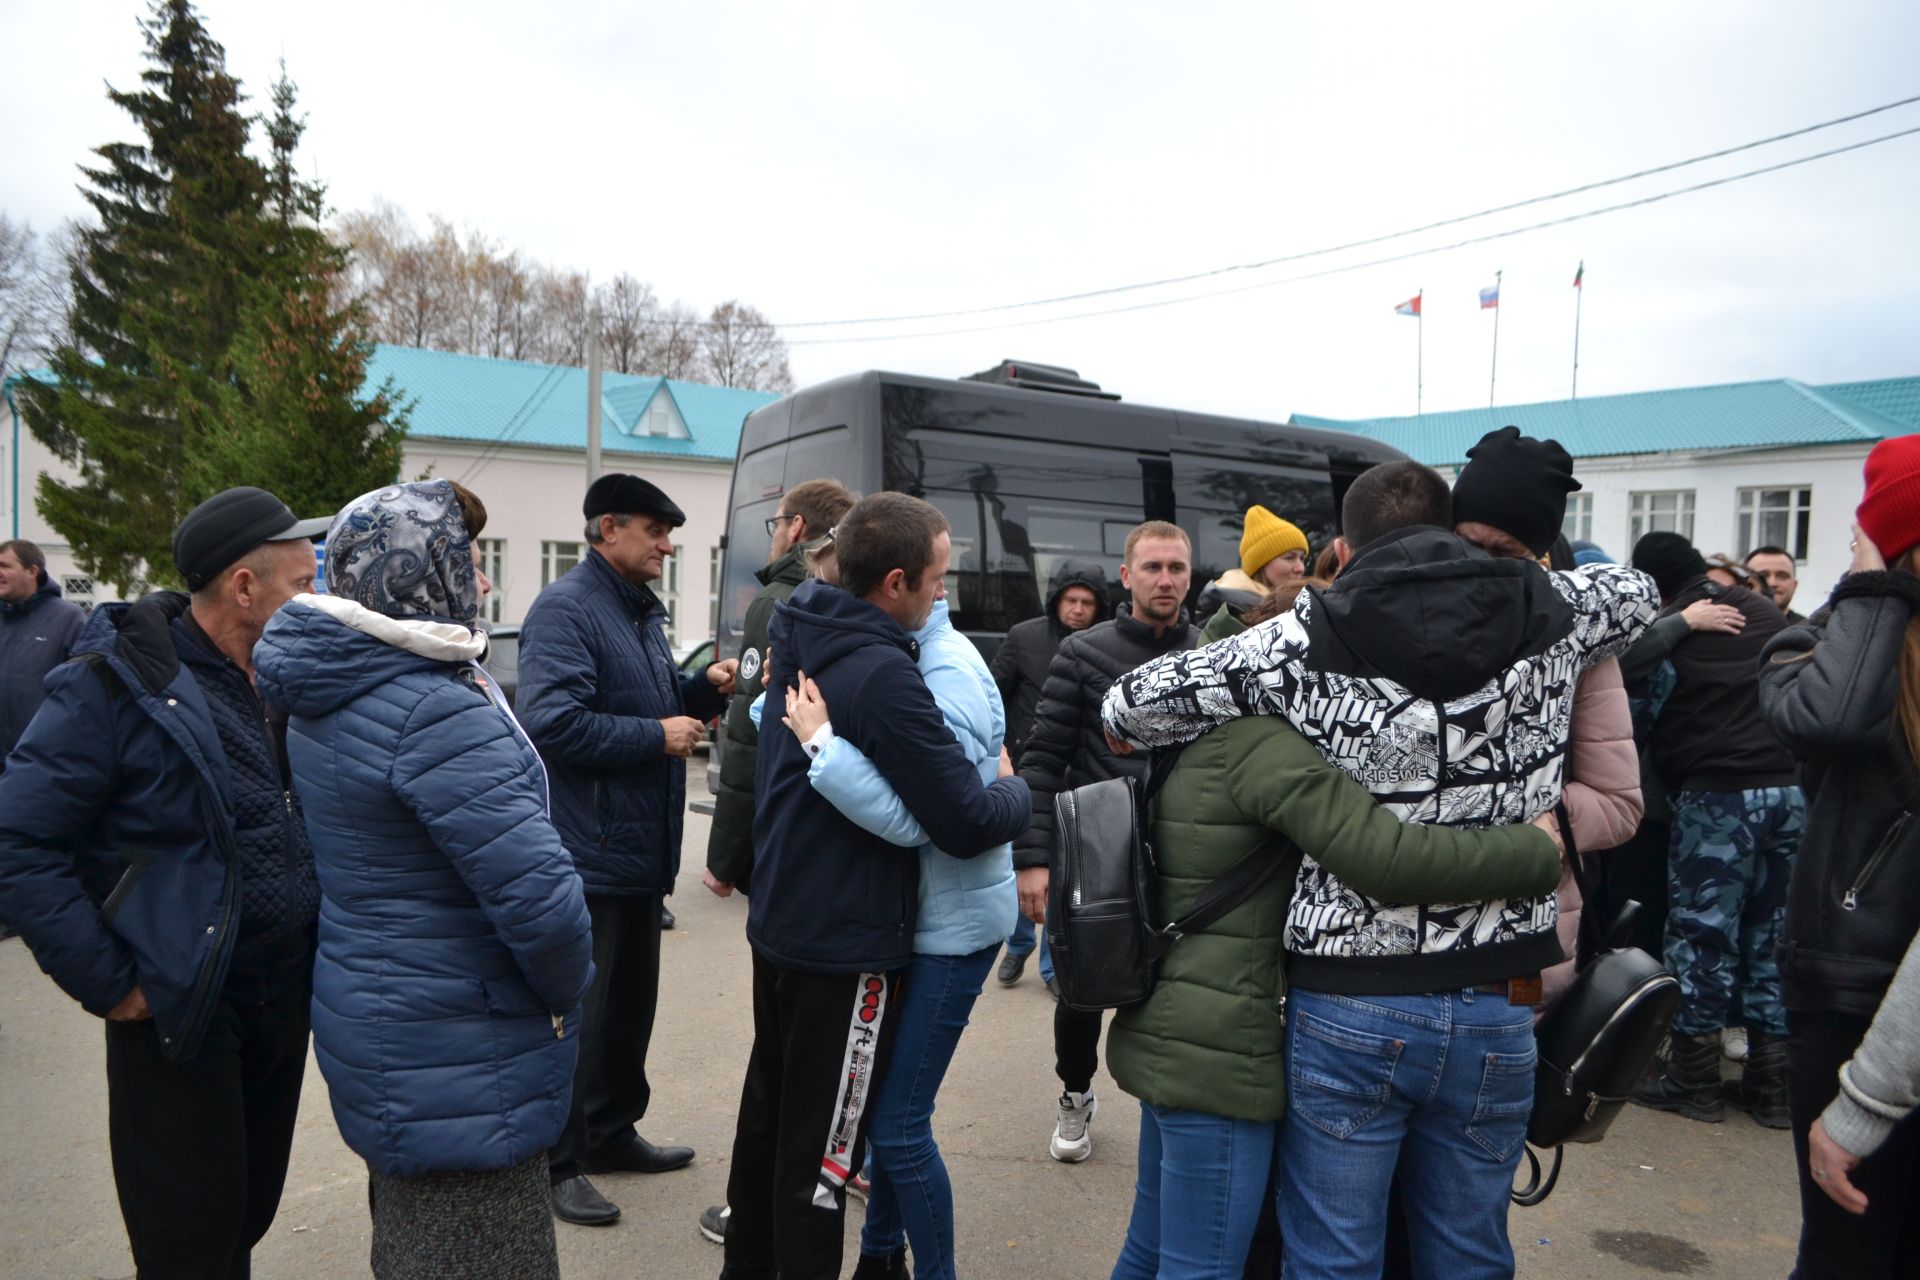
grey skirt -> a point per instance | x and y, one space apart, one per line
492 1225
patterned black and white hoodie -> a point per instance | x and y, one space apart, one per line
1441 679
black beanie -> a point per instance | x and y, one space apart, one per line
1517 484
1669 559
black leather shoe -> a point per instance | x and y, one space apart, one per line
577 1202
666 917
1011 967
638 1156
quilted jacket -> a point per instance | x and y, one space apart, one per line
454 940
596 680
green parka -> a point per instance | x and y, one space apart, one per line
1210 1037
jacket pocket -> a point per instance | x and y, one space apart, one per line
602 809
1896 833
512 997
138 860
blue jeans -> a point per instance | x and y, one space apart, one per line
1202 1178
1021 943
911 1199
1441 1085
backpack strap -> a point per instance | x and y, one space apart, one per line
1229 889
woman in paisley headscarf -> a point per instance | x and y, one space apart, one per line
454 944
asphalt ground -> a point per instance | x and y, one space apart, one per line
1661 1196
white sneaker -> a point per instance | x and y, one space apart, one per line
1733 1044
1071 1142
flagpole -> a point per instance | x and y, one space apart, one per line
1419 348
1493 373
1579 296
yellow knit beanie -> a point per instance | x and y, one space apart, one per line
1266 536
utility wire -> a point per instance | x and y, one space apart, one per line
549 383
1359 244
1372 262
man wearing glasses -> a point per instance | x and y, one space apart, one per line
806 514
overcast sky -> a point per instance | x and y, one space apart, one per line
860 159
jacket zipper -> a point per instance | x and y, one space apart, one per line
1850 901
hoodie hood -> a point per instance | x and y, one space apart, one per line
321 652
48 590
1078 573
821 624
1435 614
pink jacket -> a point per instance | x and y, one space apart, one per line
1602 793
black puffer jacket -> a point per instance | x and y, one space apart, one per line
1829 689
1021 663
730 841
1068 748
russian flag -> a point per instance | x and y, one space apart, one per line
1411 307
1490 297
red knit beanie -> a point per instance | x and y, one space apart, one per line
1890 513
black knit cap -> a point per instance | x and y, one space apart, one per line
617 494
231 523
1517 484
1669 559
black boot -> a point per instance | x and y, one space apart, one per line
1691 1083
890 1266
1761 1090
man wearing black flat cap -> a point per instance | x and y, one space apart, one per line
615 721
154 857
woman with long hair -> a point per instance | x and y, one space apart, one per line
1843 690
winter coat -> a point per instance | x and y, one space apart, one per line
1210 1036
730 840
119 860
454 940
1233 591
1443 680
1711 735
1829 690
36 636
830 897
965 904
1021 663
1067 749
596 680
1602 796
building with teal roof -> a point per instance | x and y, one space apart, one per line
1733 467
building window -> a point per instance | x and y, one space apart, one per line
1775 518
490 554
670 596
1578 524
78 588
659 419
558 557
1664 511
714 557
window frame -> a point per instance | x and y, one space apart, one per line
1577 524
1747 513
490 555
552 553
1640 513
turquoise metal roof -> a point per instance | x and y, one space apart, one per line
477 398
1746 415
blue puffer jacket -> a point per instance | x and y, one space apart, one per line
596 679
966 904
453 932
118 860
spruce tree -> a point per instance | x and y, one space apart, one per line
292 418
206 350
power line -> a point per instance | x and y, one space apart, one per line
1357 244
519 418
1373 262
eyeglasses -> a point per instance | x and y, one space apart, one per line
773 522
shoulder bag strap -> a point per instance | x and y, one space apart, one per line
1231 888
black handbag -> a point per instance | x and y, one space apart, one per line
1105 948
1595 1044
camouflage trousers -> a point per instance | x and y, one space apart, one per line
1728 865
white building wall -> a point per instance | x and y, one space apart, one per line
532 496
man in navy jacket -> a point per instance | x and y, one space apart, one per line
832 914
155 860
615 721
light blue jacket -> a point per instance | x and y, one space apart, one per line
966 904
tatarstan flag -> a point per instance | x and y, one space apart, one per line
1579 271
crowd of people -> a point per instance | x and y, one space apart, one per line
253 811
